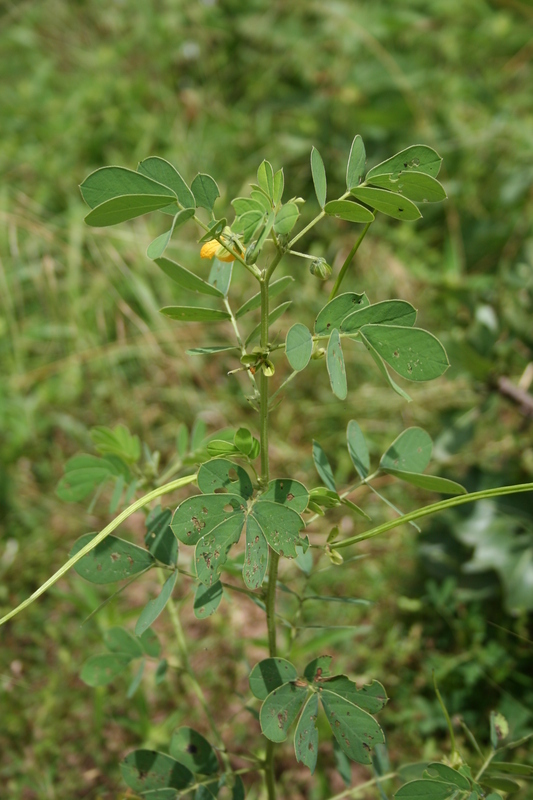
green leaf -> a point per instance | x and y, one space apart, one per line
220 275
279 182
287 492
150 643
502 784
159 245
499 729
223 475
121 209
426 790
102 669
510 768
417 158
214 230
118 442
192 750
163 172
119 640
409 452
219 447
382 368
194 314
213 548
356 163
286 218
265 178
318 172
159 538
269 674
443 772
161 671
430 482
210 349
299 346
413 353
255 555
203 513
186 279
280 709
153 608
262 201
335 312
110 183
349 211
145 771
205 191
336 366
207 599
136 682
280 525
272 317
371 698
244 441
318 668
242 205
323 467
358 449
306 734
388 312
415 185
111 560
248 223
388 203
255 302
82 475
355 730
342 764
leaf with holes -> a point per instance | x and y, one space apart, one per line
299 346
323 467
287 492
255 555
417 158
355 168
389 312
280 709
112 560
159 538
349 211
371 698
162 171
387 202
336 366
413 353
204 513
280 525
192 750
318 668
220 475
205 191
318 171
358 449
409 452
213 549
207 599
354 728
146 771
269 674
102 669
306 734
415 185
153 608
335 312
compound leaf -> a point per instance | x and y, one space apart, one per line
203 513
83 474
355 730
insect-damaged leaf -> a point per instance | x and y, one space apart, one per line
318 171
280 525
335 312
287 492
356 163
255 555
418 158
153 608
306 734
102 669
388 203
358 449
207 599
336 366
318 668
205 191
146 771
409 452
270 673
219 474
212 549
203 513
355 729
112 560
299 346
280 709
413 353
389 312
162 171
415 185
159 538
192 750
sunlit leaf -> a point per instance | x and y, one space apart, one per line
430 482
185 278
280 525
335 312
288 492
299 346
121 209
265 178
286 218
415 185
387 202
410 451
318 171
203 513
213 548
356 163
192 750
413 353
207 599
354 728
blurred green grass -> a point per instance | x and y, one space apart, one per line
218 87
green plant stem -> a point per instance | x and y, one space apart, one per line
354 791
484 766
138 504
348 261
434 509
307 228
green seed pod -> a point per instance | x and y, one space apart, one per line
252 253
320 269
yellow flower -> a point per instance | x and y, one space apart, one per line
214 248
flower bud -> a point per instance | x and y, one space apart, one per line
320 269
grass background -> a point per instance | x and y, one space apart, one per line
217 87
